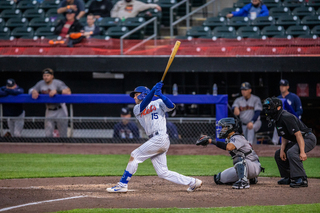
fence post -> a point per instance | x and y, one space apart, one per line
1 120
71 120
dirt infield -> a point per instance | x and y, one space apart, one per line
54 194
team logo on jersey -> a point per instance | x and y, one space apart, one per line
147 111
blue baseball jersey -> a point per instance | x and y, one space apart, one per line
295 102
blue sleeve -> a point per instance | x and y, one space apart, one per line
116 131
167 101
298 108
3 92
264 11
243 11
16 91
62 4
81 5
147 100
135 131
289 108
256 115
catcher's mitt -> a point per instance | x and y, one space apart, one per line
203 140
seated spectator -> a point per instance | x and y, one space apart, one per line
172 129
91 29
252 10
13 110
75 5
130 8
100 8
68 26
126 128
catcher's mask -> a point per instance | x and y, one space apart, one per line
226 126
144 92
270 106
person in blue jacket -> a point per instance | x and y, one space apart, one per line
294 102
252 10
13 110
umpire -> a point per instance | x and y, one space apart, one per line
291 154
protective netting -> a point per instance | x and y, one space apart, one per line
195 46
104 130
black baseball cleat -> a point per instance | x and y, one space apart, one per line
253 180
300 182
241 184
284 181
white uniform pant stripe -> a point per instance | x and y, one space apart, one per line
156 149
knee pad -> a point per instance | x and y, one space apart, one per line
240 166
217 178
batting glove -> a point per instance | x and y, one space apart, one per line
158 92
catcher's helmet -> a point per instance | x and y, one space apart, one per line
144 92
270 106
226 126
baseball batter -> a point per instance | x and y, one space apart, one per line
249 108
246 162
151 115
52 86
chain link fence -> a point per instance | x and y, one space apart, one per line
100 130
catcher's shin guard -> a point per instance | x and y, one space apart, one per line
217 178
240 166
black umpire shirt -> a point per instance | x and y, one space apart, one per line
288 124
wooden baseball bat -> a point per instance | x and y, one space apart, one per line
173 54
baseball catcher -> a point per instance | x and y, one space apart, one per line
246 162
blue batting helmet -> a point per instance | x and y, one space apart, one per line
144 92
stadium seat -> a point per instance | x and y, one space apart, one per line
44 31
307 40
293 51
272 3
7 5
257 40
313 50
49 4
226 11
109 22
198 31
279 11
316 30
263 21
165 5
231 41
116 32
303 11
286 21
281 41
293 3
40 22
35 51
27 4
241 3
33 13
223 31
213 22
132 23
22 31
269 50
313 3
5 33
243 51
298 30
217 51
244 32
60 51
311 21
2 23
148 14
272 31
16 22
238 21
6 14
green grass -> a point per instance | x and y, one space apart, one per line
310 208
54 165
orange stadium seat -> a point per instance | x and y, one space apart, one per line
192 51
293 51
35 51
269 50
281 41
60 51
313 50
